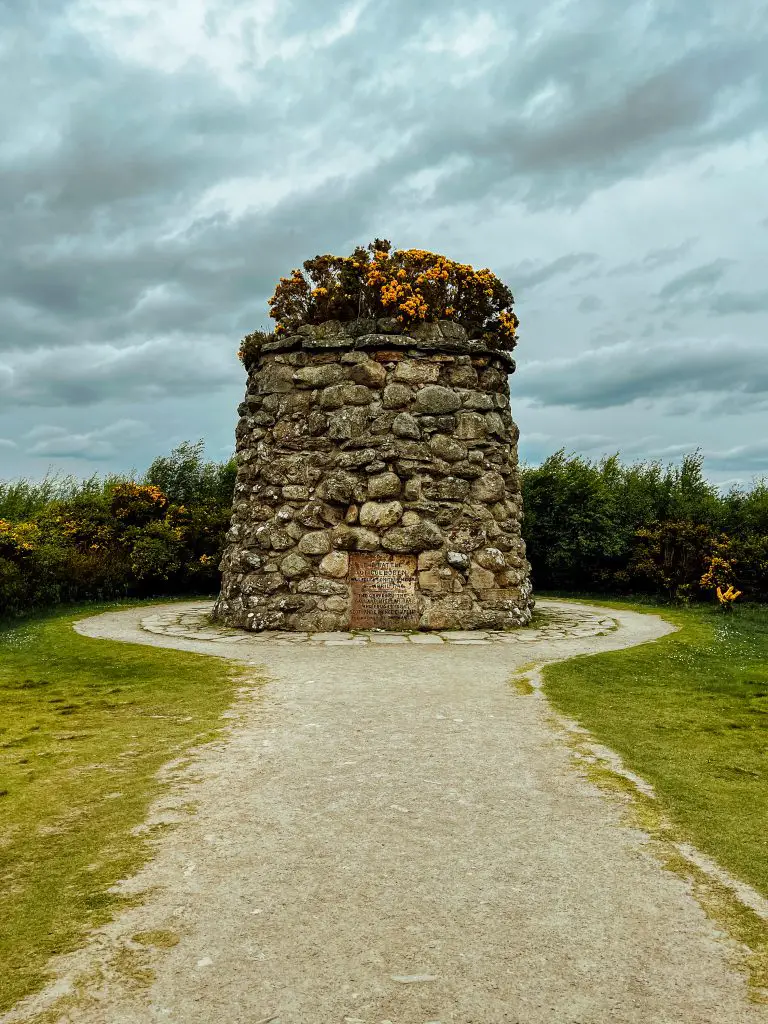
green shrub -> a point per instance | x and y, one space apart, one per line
157 554
641 528
669 558
115 537
187 479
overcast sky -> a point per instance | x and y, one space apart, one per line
162 164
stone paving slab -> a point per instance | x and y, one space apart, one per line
193 623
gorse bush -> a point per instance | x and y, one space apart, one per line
411 285
60 541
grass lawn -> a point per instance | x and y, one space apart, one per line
689 713
84 726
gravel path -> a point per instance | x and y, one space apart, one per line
396 835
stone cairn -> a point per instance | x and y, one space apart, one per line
377 484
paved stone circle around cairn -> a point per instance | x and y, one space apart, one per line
377 485
193 622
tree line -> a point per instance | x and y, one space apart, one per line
643 527
590 526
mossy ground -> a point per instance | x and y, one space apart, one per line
84 727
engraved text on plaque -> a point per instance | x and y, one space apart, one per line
383 591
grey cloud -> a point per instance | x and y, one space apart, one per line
685 404
694 280
616 375
536 445
667 101
527 276
94 445
728 303
742 457
728 406
533 451
595 138
148 371
589 303
589 442
671 451
667 254
578 442
654 259
5 442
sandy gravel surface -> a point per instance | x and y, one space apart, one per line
393 833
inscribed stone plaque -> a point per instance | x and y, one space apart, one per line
383 591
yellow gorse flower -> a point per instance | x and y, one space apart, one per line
413 285
718 572
18 536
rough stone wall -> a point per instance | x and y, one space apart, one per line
357 438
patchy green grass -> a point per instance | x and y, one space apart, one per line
84 727
689 713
